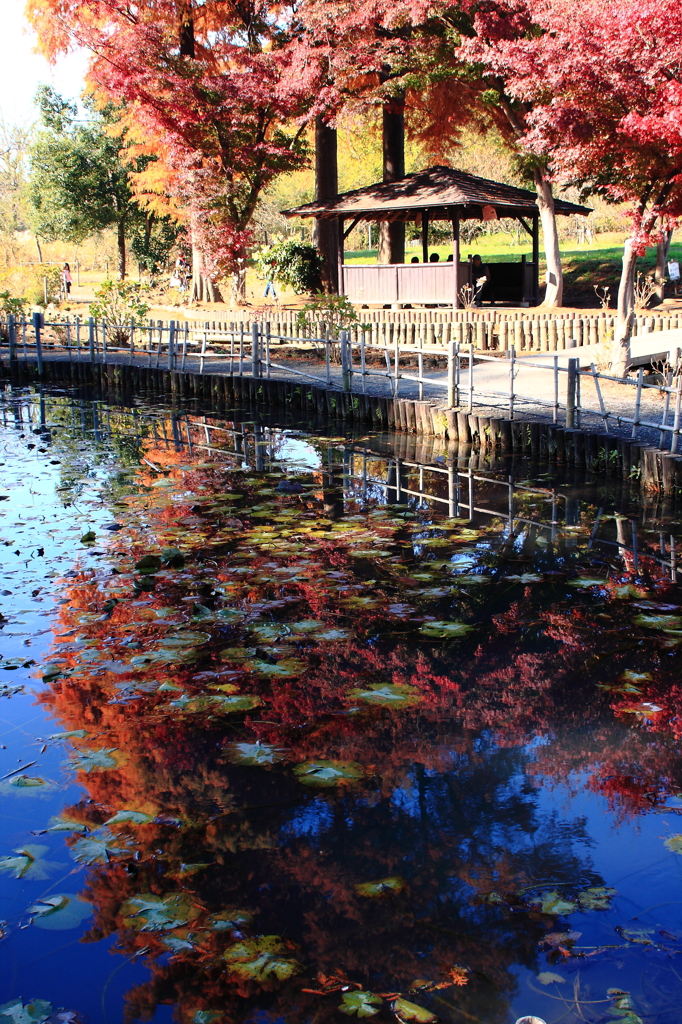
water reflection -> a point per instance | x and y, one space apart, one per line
328 746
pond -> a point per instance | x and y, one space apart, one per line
274 747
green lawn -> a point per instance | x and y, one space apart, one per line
585 265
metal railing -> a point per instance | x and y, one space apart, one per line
349 364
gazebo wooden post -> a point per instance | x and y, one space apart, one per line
536 257
341 247
455 256
425 236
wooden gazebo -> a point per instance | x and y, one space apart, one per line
436 194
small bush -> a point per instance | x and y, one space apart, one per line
118 304
336 312
28 282
292 264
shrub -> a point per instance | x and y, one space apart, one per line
336 312
291 263
118 304
28 282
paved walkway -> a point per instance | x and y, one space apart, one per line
533 384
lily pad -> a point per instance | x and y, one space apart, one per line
383 887
554 903
587 582
286 668
97 848
217 704
254 753
148 564
29 862
28 784
72 734
598 897
665 622
94 760
360 1004
265 958
445 630
405 1010
674 844
61 824
306 626
149 913
59 912
134 817
229 920
17 1012
329 773
388 695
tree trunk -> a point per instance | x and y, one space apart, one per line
392 236
554 293
239 286
40 251
121 245
626 311
662 250
203 289
326 232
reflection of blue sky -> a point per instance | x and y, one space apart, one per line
311 820
297 452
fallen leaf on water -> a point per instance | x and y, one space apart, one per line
548 977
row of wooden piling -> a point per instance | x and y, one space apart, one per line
601 453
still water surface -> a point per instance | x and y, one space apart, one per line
274 749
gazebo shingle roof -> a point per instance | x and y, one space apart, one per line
440 190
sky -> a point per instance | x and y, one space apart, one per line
22 70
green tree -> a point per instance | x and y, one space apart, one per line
13 148
78 182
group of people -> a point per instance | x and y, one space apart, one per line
481 281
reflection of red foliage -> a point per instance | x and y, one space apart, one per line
532 679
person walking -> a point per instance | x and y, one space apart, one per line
67 280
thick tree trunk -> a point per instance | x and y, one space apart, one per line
662 250
203 289
121 245
392 236
238 287
326 232
626 311
554 293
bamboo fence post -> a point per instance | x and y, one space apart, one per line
638 401
666 407
571 394
605 415
37 324
512 359
471 377
676 421
267 350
